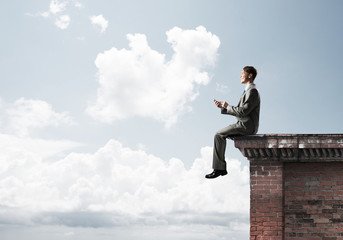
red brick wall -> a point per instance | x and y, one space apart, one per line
296 185
313 201
266 200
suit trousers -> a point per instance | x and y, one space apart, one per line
236 129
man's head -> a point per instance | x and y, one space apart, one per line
248 74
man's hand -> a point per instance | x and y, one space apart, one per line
220 104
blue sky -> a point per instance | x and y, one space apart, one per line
107 118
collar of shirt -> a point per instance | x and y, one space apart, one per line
250 84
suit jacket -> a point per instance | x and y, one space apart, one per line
247 111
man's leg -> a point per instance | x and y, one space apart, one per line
219 162
219 152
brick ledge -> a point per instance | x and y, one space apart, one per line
291 147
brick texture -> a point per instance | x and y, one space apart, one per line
313 201
266 201
296 186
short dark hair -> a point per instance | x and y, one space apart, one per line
251 70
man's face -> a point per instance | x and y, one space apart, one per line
245 77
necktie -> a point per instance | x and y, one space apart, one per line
243 92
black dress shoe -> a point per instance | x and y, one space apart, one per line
216 173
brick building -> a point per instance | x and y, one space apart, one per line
296 186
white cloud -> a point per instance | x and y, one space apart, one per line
44 14
14 147
119 186
221 88
26 114
62 21
140 82
57 7
78 4
100 21
56 13
128 232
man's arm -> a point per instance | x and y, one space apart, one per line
250 102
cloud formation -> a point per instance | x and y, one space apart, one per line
56 6
140 82
57 12
78 4
62 22
117 186
99 21
26 114
55 9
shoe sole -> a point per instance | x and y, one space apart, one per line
221 174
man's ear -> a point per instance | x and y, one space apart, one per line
250 75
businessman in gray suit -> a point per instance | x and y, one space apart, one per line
247 113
